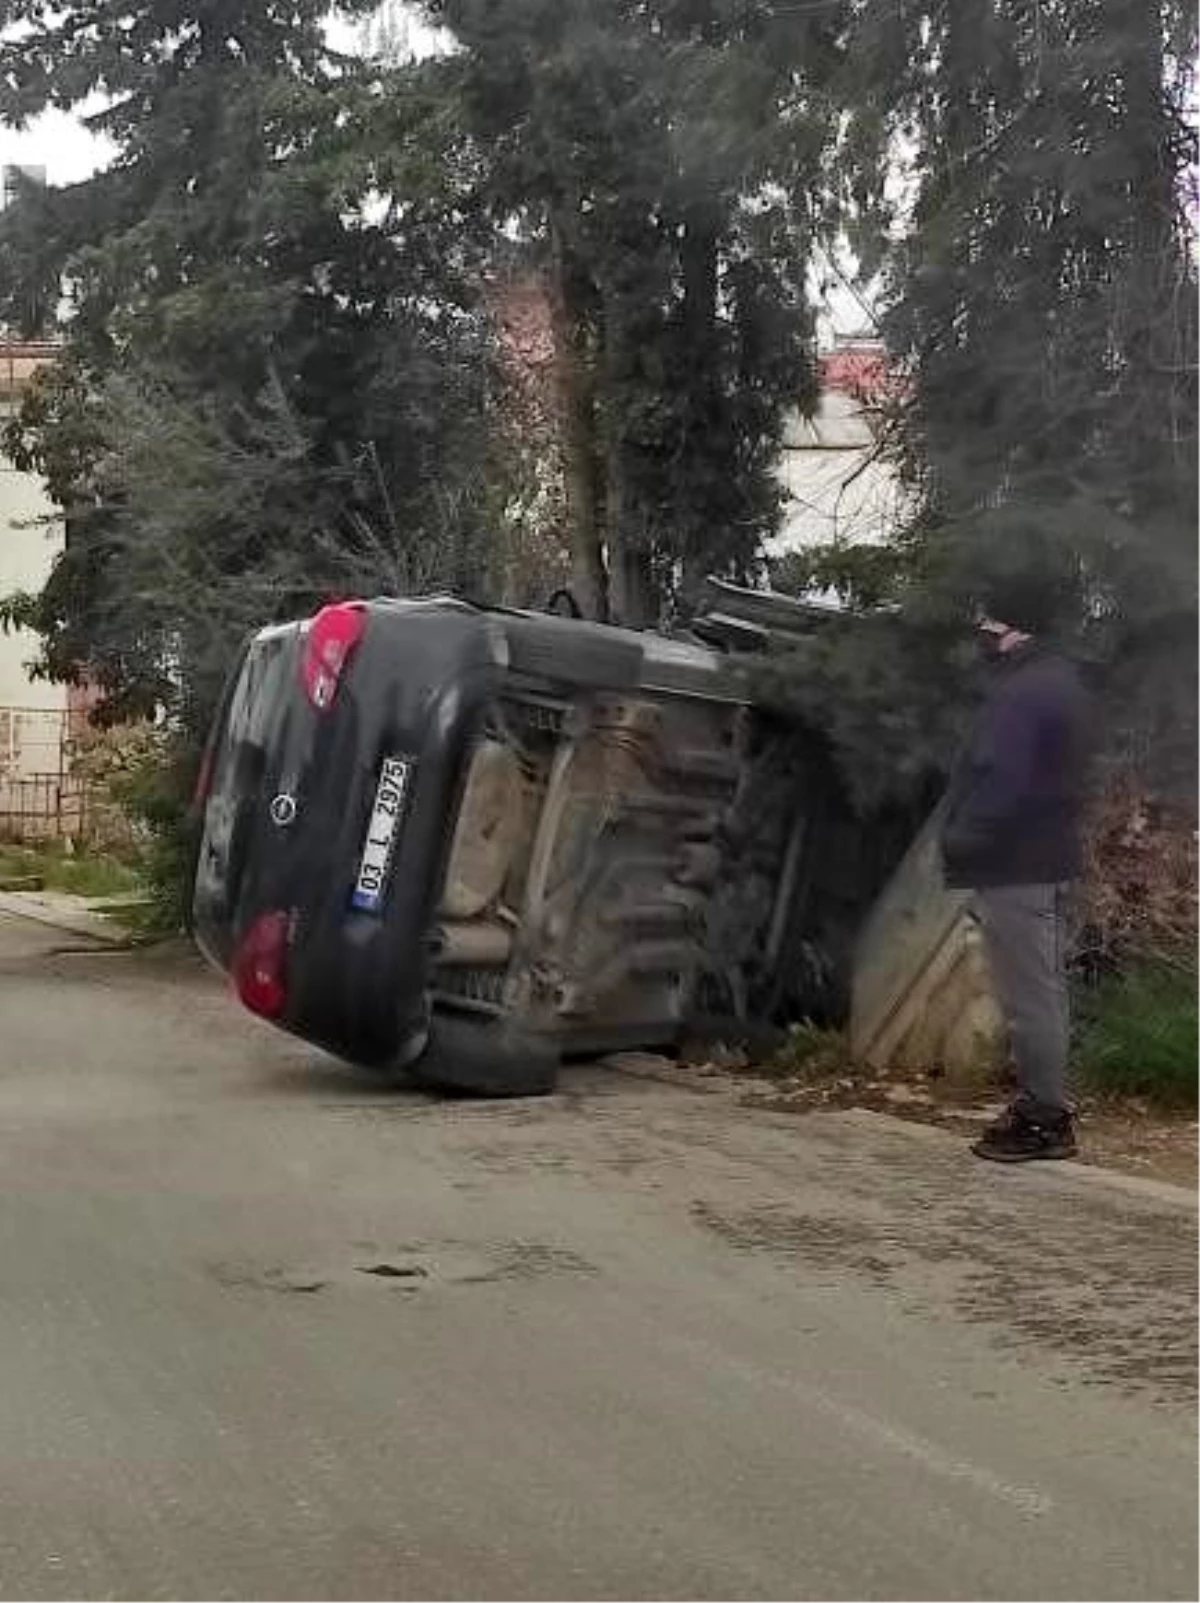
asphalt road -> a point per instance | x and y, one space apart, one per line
268 1331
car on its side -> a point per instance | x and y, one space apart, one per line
464 843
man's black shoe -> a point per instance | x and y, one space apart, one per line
1018 1137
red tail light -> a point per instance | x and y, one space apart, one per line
259 969
328 647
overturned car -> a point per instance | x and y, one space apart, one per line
463 843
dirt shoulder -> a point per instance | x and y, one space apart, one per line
1129 1136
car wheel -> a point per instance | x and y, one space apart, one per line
565 652
473 1058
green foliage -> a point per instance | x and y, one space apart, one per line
193 96
1043 301
198 520
1039 302
270 391
141 778
809 1053
28 270
88 874
1139 1037
155 791
866 577
889 693
662 166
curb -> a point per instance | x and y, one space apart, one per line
1072 1173
78 920
653 1067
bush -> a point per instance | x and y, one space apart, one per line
810 1053
153 788
1140 890
1138 1036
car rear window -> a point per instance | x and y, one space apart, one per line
253 721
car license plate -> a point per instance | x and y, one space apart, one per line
391 794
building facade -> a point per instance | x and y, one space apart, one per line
33 714
837 489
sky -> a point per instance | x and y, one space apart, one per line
60 144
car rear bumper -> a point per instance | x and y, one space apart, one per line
357 981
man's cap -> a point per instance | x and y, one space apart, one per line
1026 577
1025 601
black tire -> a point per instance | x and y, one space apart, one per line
468 1057
565 652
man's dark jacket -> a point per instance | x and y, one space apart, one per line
1015 804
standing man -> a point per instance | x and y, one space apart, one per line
1013 835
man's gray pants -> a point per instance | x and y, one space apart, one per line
1025 938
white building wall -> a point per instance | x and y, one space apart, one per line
835 489
30 742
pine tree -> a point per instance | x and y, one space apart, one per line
1039 303
662 164
1044 301
224 288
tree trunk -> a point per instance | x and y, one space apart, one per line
699 263
1159 312
631 579
631 588
589 580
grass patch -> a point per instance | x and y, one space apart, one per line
810 1053
1138 1037
139 918
87 875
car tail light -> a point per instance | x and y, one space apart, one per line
328 647
259 969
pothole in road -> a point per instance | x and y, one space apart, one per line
239 1277
394 1271
446 1264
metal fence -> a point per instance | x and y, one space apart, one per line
34 741
43 807
47 789
41 798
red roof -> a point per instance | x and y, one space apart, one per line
859 369
19 361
